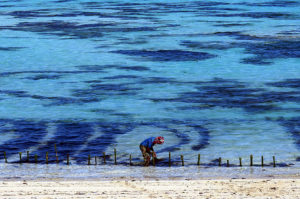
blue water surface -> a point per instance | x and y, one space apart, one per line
216 78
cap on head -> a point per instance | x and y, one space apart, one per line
159 140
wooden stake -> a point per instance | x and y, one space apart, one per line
56 153
115 152
227 163
220 161
89 160
20 154
251 160
5 157
27 156
182 160
262 161
130 158
240 162
104 161
36 159
95 160
170 159
68 159
198 163
46 157
274 163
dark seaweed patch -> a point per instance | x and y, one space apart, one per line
102 67
68 137
259 15
110 132
62 1
264 49
74 30
271 50
293 127
29 13
10 48
28 134
158 80
5 74
210 3
122 77
91 67
232 94
167 55
233 24
129 42
47 13
204 137
256 61
61 28
288 83
207 45
240 36
280 3
44 76
134 68
113 87
106 90
55 101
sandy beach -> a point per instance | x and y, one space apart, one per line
154 188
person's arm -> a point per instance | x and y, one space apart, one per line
152 152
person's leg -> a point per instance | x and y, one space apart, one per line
145 155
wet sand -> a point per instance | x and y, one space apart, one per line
153 188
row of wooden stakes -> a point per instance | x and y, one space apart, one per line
130 159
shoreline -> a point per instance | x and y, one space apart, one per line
151 188
103 172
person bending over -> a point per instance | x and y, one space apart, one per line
147 148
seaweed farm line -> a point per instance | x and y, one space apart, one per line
106 159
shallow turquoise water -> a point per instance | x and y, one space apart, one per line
219 78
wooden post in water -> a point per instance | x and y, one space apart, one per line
104 161
251 160
56 153
182 160
227 163
240 162
262 161
95 160
115 152
220 161
4 153
130 158
46 157
89 160
36 159
170 159
274 163
198 163
68 159
20 154
27 156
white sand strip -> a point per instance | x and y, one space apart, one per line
130 188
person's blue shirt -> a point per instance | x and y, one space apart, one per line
148 142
